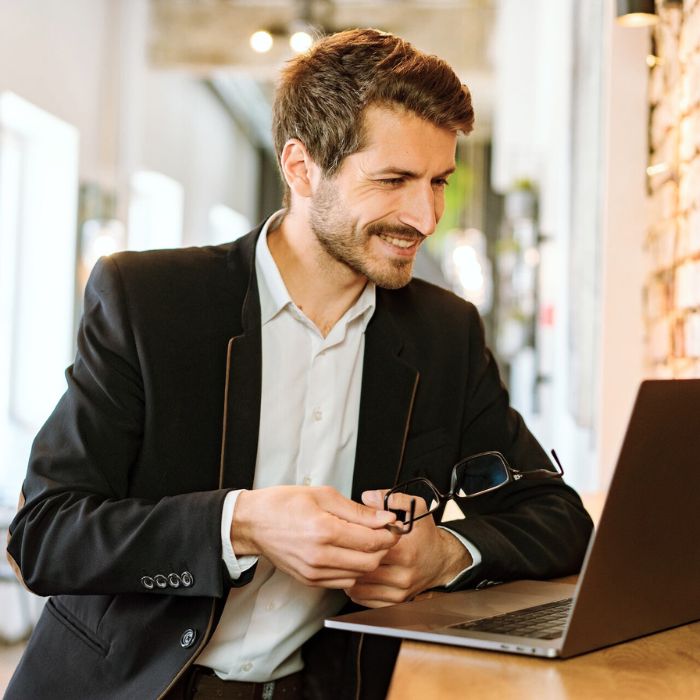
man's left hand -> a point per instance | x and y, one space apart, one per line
424 558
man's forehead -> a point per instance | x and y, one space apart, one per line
396 139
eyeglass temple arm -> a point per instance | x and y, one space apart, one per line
411 512
556 459
541 473
411 516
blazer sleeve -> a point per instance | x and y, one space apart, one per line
531 528
78 530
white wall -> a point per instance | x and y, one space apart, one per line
51 54
85 62
625 220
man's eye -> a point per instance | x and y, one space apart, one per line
441 182
391 181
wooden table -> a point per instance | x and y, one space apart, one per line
663 666
659 667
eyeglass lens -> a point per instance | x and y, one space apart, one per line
479 474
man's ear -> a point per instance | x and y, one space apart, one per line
299 169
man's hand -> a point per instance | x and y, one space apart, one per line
312 533
424 558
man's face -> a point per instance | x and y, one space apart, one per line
383 201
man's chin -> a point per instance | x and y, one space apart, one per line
394 279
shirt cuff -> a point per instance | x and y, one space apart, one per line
235 565
470 547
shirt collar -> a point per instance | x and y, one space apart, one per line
273 292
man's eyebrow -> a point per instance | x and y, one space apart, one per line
410 173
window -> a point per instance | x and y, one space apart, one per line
38 210
226 224
155 211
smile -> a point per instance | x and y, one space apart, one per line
399 242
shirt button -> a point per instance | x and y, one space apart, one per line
270 606
247 666
317 414
307 481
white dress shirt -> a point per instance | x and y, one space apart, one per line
308 433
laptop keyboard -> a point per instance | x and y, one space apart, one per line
541 622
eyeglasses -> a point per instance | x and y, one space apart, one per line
474 476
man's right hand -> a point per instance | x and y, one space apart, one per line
312 533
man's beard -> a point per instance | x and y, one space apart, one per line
344 241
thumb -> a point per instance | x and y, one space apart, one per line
371 515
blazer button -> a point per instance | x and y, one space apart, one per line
147 582
186 579
161 581
174 580
188 638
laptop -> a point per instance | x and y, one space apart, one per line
641 573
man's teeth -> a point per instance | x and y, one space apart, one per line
398 242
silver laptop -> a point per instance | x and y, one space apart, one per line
641 573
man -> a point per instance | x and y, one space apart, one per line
193 503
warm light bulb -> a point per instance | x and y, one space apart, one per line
638 19
261 41
300 41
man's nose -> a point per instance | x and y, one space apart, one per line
418 210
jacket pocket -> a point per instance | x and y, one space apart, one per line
61 614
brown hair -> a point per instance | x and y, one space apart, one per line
322 94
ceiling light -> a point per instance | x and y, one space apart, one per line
636 13
300 41
261 41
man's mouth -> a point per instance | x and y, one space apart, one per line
399 242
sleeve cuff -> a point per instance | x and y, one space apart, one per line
471 548
235 565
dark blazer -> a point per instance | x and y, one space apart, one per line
123 495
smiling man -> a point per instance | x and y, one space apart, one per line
210 487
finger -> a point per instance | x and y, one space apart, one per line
345 535
368 603
354 512
335 583
389 576
386 595
336 562
375 498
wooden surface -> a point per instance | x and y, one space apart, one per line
660 666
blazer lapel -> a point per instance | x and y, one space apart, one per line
388 389
239 443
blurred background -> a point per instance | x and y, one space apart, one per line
572 220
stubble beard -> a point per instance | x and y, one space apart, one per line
345 242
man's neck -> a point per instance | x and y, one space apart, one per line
322 287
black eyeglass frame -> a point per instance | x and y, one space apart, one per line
512 474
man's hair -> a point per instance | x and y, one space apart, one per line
322 95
